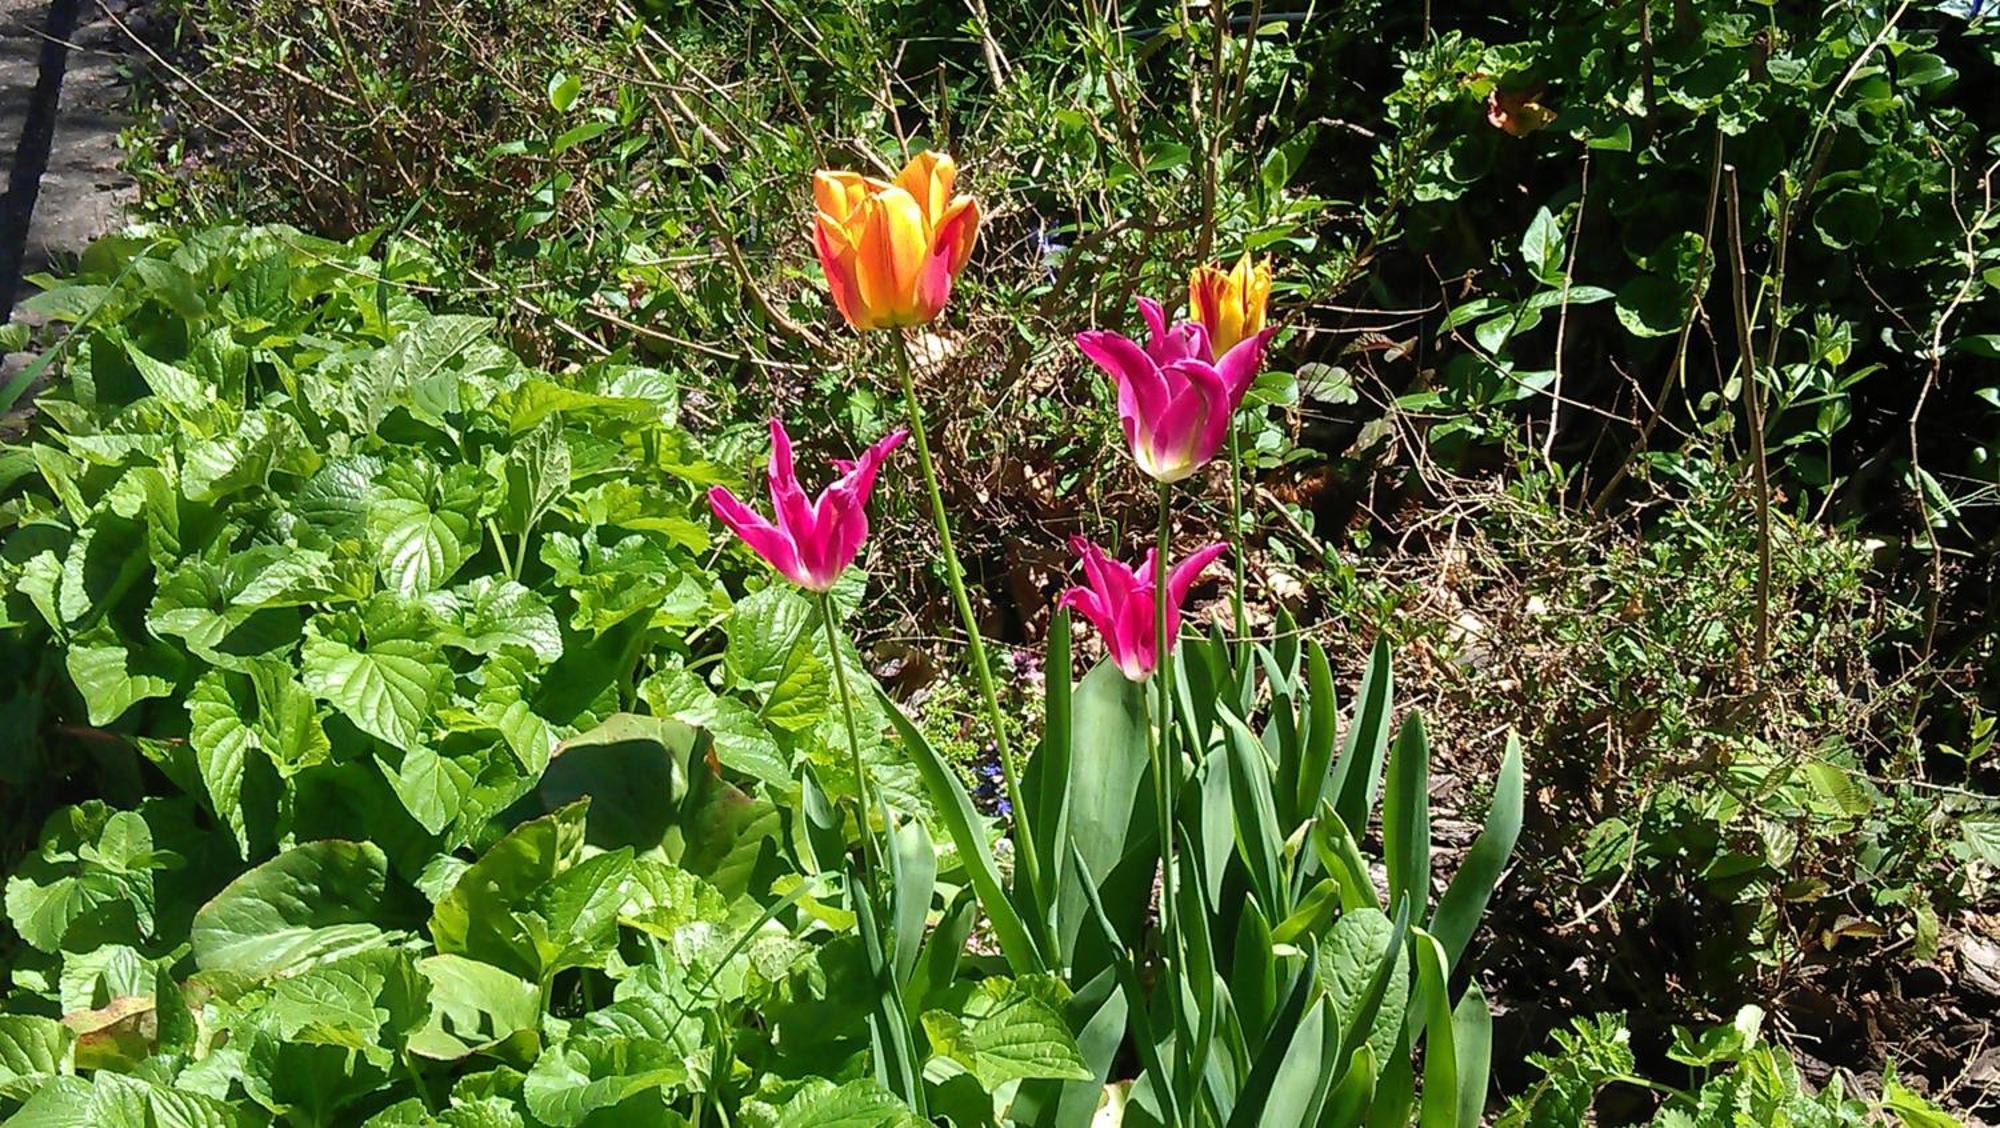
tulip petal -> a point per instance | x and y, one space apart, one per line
1183 578
1239 365
891 257
797 516
1142 392
928 178
839 194
1194 425
765 539
836 260
951 246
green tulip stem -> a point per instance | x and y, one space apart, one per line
862 806
1236 527
1024 837
1166 771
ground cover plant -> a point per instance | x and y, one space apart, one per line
1613 379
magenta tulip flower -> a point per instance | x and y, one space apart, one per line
1118 601
812 542
1174 399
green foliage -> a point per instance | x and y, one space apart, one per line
350 610
1277 954
1738 1079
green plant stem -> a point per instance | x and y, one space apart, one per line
1236 528
1024 836
1165 771
861 803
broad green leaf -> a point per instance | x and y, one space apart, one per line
432 788
222 745
1542 245
33 1051
307 904
382 668
474 1006
1010 1032
1359 947
483 916
494 613
115 1100
764 629
419 550
855 1104
113 678
260 444
587 1073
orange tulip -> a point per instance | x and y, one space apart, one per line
1230 303
1519 113
892 251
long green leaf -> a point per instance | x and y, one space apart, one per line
1406 818
961 821
1256 1093
1356 1091
888 1025
1322 710
1294 1089
1051 768
1464 900
913 872
1356 774
1472 1034
1257 836
1140 1019
1341 856
1440 1104
1253 973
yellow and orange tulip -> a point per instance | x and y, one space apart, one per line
891 251
1230 303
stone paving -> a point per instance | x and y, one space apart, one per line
62 102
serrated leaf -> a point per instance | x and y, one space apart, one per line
1015 1034
495 613
33 1051
222 744
584 1074
383 669
856 1104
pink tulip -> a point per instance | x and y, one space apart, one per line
813 542
1118 601
1174 398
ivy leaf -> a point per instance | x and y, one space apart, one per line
419 549
382 669
864 1103
431 787
262 443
